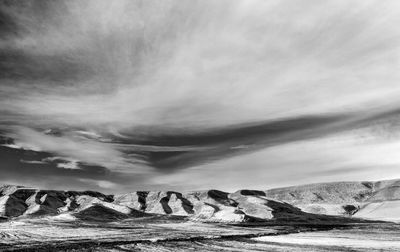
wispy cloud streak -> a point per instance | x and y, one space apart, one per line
149 87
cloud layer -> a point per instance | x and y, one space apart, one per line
148 94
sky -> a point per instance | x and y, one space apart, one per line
127 95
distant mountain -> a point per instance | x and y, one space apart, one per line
372 200
375 200
208 206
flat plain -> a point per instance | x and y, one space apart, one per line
180 234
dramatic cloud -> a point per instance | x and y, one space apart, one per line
130 94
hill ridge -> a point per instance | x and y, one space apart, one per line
366 199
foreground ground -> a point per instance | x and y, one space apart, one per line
176 234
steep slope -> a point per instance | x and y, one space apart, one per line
214 205
20 201
384 203
385 210
375 200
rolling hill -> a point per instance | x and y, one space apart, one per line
314 202
372 200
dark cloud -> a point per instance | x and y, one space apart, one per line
28 162
27 166
8 28
22 66
234 133
177 149
213 144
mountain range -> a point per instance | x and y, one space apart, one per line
314 202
